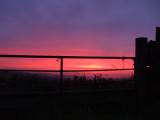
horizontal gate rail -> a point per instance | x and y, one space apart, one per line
65 70
79 57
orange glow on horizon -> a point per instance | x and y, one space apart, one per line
90 66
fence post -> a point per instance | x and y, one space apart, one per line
61 75
158 34
141 77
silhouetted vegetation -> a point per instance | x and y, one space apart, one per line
86 106
31 82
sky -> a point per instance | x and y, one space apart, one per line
76 27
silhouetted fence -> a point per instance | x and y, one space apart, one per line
61 64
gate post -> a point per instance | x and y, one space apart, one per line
158 34
141 77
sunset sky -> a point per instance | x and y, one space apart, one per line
75 27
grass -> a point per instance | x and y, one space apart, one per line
27 82
101 106
70 107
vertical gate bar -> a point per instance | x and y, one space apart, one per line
61 75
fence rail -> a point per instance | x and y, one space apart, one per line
66 70
79 57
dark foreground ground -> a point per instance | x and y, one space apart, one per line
32 97
79 105
69 106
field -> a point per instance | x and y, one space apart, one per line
69 106
36 97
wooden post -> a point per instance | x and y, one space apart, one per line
61 75
157 34
141 77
